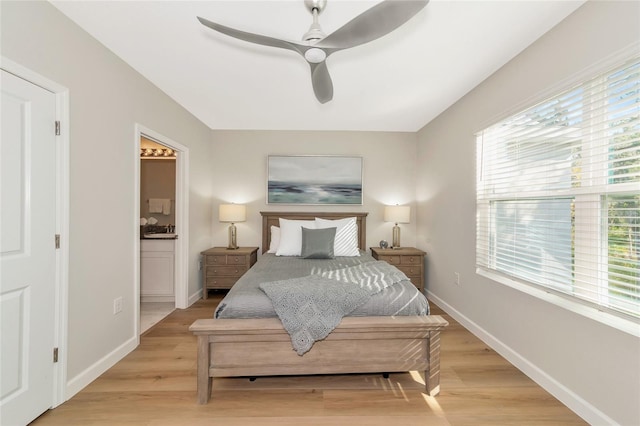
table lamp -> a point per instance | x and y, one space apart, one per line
232 213
397 214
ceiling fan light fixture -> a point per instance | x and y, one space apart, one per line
315 55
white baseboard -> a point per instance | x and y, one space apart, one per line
79 382
195 297
569 398
154 299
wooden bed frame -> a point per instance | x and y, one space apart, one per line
262 347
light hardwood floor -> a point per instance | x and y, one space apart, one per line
156 385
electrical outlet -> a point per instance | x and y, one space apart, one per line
199 265
117 305
456 278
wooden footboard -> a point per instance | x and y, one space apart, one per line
262 347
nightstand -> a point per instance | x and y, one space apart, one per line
409 260
222 267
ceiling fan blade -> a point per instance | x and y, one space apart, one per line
321 80
254 38
373 23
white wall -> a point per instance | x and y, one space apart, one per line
592 367
239 165
107 98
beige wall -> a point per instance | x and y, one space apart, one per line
107 98
592 367
239 166
158 180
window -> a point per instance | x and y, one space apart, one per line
558 193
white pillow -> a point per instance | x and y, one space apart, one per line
346 241
291 236
275 239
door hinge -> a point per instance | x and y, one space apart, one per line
57 128
55 354
57 241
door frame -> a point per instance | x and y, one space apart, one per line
181 257
61 300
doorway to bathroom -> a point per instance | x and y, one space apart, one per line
162 227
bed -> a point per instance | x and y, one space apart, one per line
254 347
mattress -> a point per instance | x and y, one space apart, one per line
247 300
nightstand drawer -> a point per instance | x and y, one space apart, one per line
411 260
236 260
216 260
394 260
410 271
416 281
233 271
221 282
226 260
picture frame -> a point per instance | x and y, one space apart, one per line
314 180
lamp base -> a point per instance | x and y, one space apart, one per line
396 237
233 244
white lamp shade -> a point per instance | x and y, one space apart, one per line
397 214
232 213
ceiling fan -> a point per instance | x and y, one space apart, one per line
316 46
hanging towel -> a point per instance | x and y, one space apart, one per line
166 207
156 205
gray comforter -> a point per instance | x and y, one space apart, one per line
247 300
311 307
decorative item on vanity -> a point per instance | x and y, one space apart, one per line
232 213
384 244
397 214
316 46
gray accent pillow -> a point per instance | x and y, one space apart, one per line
318 243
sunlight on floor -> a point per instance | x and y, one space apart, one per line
152 313
417 377
431 401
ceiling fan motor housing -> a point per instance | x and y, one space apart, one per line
314 33
318 5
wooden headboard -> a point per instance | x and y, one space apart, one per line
271 219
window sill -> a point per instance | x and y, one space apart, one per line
625 324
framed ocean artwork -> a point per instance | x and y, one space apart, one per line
314 179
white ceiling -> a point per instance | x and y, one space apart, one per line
396 83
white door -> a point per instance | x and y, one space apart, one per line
27 249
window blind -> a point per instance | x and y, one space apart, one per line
558 192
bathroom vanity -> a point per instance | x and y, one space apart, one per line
157 269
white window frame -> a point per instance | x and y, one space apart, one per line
588 226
